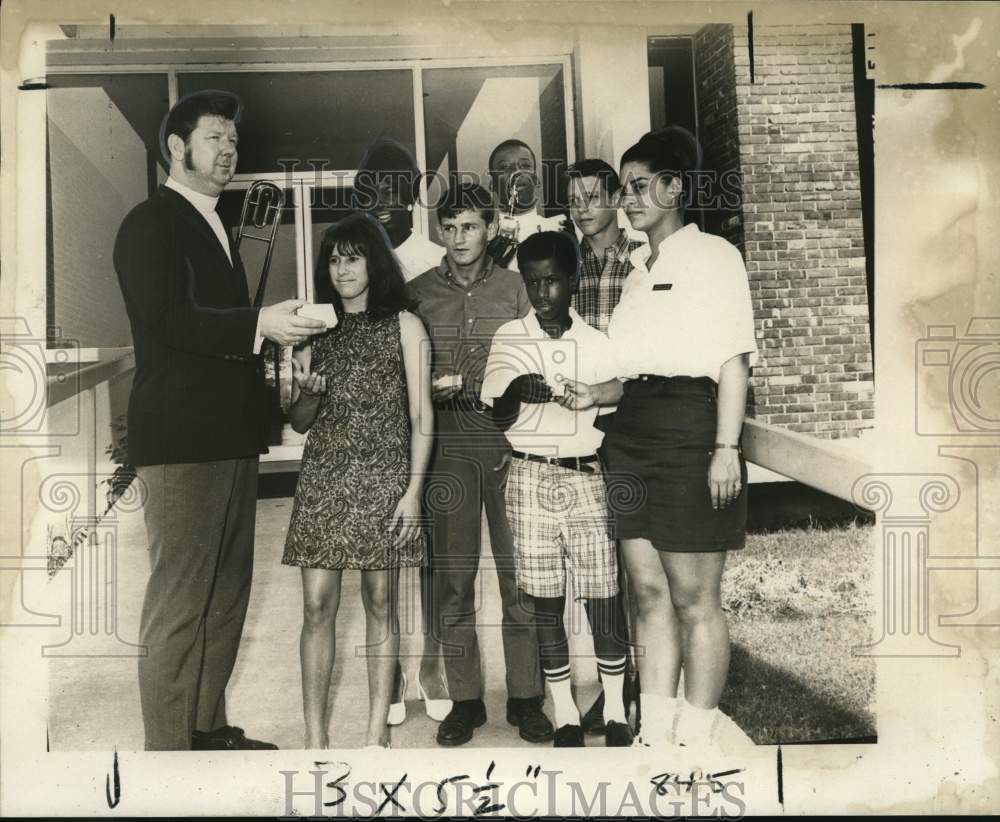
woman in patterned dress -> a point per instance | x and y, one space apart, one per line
362 391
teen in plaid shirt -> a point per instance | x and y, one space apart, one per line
593 186
604 266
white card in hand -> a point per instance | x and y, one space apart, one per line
319 311
448 381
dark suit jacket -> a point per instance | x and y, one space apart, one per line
198 393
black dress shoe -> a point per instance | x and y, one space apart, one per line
227 738
593 721
532 724
464 717
617 735
569 736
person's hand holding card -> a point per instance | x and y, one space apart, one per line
445 387
320 311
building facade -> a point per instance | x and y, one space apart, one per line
776 109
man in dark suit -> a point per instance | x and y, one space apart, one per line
196 425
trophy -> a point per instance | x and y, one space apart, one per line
503 247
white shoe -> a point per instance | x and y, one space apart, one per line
658 741
397 710
437 709
659 720
696 727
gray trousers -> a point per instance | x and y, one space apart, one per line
200 521
461 483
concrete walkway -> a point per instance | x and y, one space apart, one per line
94 702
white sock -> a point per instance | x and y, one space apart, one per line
658 718
566 712
613 679
695 725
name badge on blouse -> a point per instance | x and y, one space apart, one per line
663 286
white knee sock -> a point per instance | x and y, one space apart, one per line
695 726
566 712
657 718
613 679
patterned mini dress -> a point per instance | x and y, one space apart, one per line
356 460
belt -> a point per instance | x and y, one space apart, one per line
679 379
463 405
678 382
585 464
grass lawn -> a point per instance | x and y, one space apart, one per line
798 602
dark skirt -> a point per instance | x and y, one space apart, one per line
657 454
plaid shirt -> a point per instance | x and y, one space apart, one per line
601 281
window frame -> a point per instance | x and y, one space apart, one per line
303 182
286 457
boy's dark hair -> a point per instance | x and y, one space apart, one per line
558 246
360 234
183 118
467 196
673 152
595 168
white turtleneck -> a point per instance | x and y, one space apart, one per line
205 205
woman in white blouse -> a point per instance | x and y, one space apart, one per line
683 335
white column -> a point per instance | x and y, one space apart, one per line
93 604
904 503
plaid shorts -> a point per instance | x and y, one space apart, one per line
559 520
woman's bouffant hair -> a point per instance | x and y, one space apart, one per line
672 152
359 234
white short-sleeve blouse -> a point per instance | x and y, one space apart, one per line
687 315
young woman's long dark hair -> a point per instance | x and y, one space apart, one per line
360 234
673 152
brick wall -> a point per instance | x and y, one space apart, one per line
718 129
803 236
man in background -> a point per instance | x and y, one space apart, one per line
387 186
515 184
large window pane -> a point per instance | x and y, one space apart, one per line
319 116
103 151
325 206
281 281
469 111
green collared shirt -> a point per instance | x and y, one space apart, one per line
461 321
